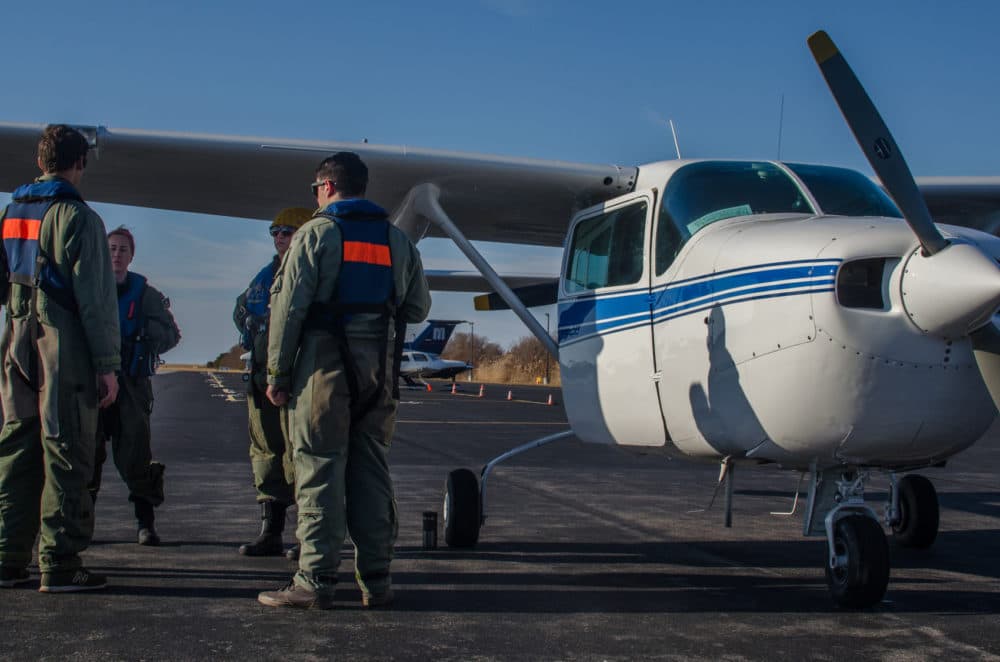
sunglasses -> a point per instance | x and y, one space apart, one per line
315 185
283 230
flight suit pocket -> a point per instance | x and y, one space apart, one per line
330 395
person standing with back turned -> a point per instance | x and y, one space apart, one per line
348 286
60 350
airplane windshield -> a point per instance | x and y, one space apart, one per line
843 192
700 194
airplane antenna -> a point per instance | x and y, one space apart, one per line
781 122
677 146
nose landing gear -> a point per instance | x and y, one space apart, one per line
858 571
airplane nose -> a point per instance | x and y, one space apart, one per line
953 292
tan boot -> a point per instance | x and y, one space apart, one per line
297 597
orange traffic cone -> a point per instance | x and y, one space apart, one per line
429 389
550 403
482 390
454 388
510 395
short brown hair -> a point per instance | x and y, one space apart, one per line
346 170
60 147
123 231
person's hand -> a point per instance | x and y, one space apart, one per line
107 389
277 396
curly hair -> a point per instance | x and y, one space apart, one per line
60 147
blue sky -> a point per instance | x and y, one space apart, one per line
577 81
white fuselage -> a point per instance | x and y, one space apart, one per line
742 348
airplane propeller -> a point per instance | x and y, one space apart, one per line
875 140
951 289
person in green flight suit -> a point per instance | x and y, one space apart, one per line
340 302
270 455
147 331
60 350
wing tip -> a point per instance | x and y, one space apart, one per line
482 302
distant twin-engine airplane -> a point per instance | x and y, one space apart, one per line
421 358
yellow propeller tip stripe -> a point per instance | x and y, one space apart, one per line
482 302
822 46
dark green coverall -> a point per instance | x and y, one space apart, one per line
126 423
47 441
341 469
270 455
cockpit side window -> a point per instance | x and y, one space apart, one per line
700 194
607 250
843 192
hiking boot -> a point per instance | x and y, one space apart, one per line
298 597
144 518
292 553
11 577
72 581
268 543
377 599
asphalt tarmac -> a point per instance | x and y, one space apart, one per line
588 553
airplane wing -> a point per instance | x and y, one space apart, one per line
970 201
490 198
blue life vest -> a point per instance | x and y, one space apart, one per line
364 284
22 222
130 305
258 299
138 358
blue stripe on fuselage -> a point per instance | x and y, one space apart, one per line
596 314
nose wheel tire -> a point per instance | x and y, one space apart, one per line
862 571
462 517
918 512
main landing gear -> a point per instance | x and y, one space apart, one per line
465 497
913 511
857 565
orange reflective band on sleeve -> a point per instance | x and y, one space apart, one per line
359 251
21 228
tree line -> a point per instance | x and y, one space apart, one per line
524 362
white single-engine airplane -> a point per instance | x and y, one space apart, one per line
785 314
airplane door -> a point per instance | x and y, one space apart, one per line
605 334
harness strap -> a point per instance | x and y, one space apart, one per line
397 356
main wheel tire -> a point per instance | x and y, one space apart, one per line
919 514
864 575
461 509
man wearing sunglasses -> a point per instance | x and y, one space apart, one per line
60 352
269 454
339 307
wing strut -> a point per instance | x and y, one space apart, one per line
425 201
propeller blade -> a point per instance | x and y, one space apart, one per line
875 140
986 349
